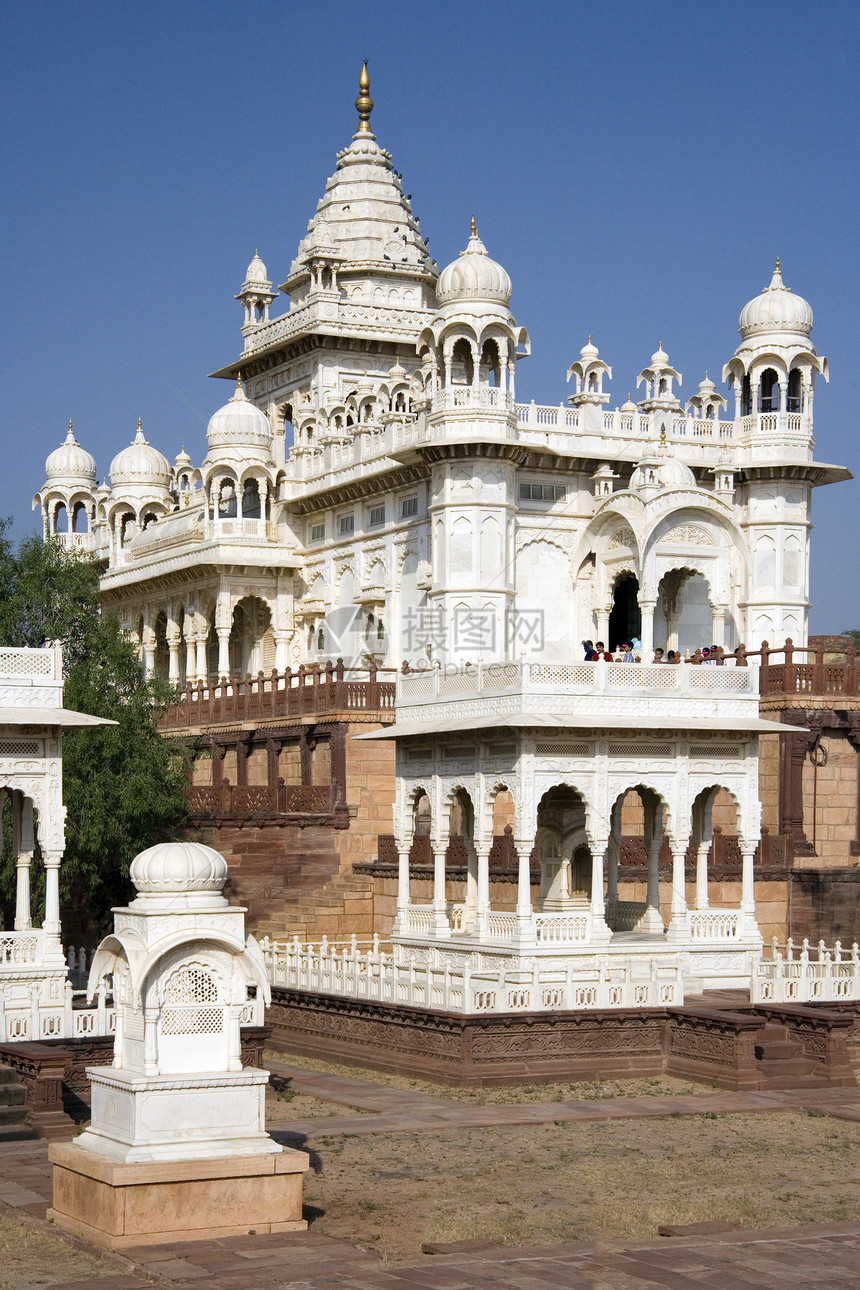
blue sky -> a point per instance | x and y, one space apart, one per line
636 168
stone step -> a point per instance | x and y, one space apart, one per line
14 1114
12 1094
17 1133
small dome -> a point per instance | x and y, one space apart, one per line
172 869
661 358
181 459
71 461
629 406
240 423
707 386
474 276
397 372
257 271
140 463
662 470
589 352
776 310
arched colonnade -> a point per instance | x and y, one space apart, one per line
571 823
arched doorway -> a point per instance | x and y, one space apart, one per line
563 850
625 620
683 620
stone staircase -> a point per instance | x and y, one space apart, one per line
14 1110
781 1059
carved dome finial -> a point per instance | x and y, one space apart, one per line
364 103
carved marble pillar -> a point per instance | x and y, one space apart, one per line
441 926
678 922
190 658
23 844
702 873
403 900
747 880
51 921
646 610
173 665
202 669
482 910
524 882
223 651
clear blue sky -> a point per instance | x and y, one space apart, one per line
636 168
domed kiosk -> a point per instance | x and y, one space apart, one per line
177 1109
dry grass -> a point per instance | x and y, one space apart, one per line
31 1259
568 1182
537 1091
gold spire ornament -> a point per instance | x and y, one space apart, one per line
473 227
364 103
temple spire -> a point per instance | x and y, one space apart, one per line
364 103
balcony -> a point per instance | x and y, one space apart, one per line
826 668
580 694
307 691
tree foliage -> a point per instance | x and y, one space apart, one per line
854 633
123 785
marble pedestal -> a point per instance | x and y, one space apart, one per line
118 1205
137 1119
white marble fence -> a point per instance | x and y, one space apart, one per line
802 974
25 1021
428 979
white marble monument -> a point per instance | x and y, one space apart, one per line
177 1109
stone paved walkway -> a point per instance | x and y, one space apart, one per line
825 1257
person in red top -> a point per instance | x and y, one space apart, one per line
603 652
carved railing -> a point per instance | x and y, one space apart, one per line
715 924
307 691
248 800
807 975
623 915
822 669
417 978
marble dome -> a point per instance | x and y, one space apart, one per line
172 869
71 461
257 271
669 472
777 309
473 276
140 463
239 423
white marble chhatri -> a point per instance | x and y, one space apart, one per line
185 976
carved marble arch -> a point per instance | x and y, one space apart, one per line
658 811
498 808
458 817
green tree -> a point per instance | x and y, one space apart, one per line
123 785
854 633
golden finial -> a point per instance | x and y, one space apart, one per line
139 424
473 227
707 378
777 264
663 433
239 389
364 103
589 338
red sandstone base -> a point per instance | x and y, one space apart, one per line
116 1205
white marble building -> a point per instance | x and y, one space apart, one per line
374 488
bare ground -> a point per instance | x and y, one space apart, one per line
567 1182
31 1259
